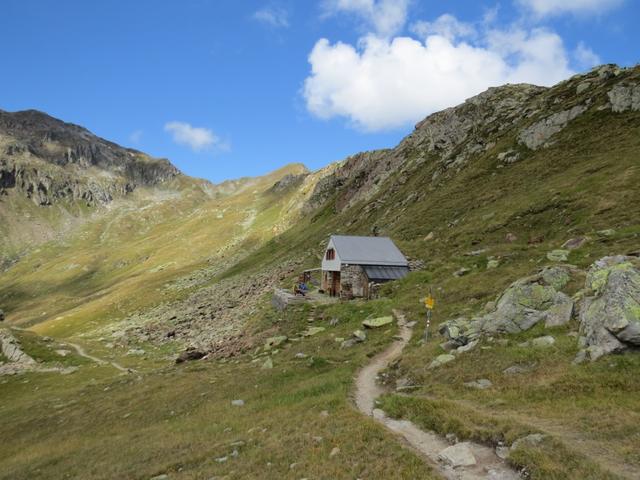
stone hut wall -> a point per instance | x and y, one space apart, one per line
353 282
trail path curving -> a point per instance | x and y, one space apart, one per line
428 444
100 361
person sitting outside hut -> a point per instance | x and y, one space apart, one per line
300 288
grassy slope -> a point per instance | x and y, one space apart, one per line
97 275
93 424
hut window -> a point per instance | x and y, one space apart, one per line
331 254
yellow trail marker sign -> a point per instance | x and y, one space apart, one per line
429 302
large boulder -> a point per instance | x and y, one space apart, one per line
377 322
610 308
531 300
522 305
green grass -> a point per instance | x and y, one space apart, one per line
179 420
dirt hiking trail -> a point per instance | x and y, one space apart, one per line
428 444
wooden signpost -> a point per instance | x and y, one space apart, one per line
429 303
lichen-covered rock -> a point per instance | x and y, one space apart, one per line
538 134
529 301
441 360
377 322
525 303
610 316
273 342
558 255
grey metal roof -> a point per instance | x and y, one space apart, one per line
379 273
368 250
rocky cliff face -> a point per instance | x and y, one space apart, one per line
48 160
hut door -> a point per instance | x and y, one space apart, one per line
335 285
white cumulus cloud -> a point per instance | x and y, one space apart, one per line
383 83
586 57
196 138
556 7
273 16
446 25
385 17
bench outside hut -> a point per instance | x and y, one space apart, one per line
353 265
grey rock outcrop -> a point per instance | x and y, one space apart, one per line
12 350
610 309
538 134
625 97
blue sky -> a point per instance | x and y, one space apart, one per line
227 89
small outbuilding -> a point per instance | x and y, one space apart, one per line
352 265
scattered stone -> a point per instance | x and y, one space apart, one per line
268 364
1 315
63 353
348 343
137 352
480 384
558 255
574 243
377 322
467 348
543 342
324 413
510 237
533 440
463 271
311 331
360 335
502 452
335 451
459 455
517 369
222 459
441 360
378 414
164 476
300 356
334 321
452 438
189 355
493 264
430 236
237 403
273 342
69 370
510 156
609 232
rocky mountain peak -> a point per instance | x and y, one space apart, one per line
48 159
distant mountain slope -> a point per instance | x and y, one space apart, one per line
49 160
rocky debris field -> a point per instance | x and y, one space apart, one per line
209 321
